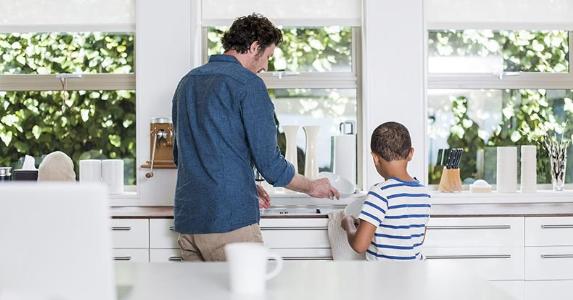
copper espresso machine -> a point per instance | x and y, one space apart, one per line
161 139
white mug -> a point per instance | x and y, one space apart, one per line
247 267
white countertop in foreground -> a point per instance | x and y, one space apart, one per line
307 280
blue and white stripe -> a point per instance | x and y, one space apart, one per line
400 211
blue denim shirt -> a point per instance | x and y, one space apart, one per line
224 126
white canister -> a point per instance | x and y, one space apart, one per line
112 175
90 170
506 169
528 169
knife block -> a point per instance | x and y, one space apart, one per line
450 181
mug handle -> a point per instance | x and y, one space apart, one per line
278 266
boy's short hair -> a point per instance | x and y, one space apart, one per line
391 141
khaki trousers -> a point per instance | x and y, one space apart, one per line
211 246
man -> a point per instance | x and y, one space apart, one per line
224 126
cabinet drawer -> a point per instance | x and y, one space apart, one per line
295 233
130 233
548 263
492 263
474 232
554 290
131 255
165 255
161 234
550 231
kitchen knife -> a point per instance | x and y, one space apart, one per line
440 157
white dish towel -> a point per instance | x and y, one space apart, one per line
341 250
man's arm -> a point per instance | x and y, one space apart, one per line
359 237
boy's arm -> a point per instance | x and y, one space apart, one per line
359 237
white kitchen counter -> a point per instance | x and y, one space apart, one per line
308 280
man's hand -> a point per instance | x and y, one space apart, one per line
321 188
264 198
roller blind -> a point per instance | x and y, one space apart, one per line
67 15
499 14
281 12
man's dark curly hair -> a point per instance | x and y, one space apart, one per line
248 29
391 141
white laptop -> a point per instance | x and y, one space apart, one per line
55 242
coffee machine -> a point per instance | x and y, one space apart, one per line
161 141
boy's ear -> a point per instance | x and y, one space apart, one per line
410 154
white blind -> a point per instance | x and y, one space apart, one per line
67 15
499 14
284 12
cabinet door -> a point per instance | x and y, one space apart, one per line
548 263
131 255
162 234
512 288
474 232
552 231
550 290
165 255
492 263
130 233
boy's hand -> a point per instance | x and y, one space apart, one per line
349 223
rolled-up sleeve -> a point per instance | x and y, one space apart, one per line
257 113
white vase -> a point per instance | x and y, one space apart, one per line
291 153
310 162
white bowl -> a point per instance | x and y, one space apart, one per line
343 185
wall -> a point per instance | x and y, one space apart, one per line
394 76
164 54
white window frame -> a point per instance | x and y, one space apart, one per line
318 80
506 80
71 82
310 80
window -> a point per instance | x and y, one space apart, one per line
72 92
312 80
497 88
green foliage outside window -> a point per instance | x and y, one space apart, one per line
82 124
527 115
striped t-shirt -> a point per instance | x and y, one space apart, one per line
400 211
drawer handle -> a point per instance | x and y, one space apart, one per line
172 228
294 228
308 258
128 228
480 256
556 255
469 227
563 226
175 258
122 258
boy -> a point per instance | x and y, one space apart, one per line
392 223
